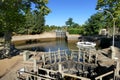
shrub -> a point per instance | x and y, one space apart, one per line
74 31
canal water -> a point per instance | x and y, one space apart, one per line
50 45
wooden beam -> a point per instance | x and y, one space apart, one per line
106 74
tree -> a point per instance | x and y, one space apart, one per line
29 23
75 25
69 22
12 16
39 22
39 16
112 6
94 24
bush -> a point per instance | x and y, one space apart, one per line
74 31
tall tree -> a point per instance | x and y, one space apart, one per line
29 23
113 6
38 20
69 22
12 16
39 23
94 23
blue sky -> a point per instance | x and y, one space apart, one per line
61 10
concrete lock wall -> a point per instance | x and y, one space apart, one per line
26 55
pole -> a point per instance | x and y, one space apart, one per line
113 31
113 41
113 44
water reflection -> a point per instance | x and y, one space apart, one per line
52 45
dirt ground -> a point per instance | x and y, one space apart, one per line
7 64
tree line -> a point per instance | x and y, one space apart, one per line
22 19
102 19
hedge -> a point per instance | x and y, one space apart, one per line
74 31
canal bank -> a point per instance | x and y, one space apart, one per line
44 37
84 70
26 39
72 37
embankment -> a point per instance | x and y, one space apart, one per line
22 39
46 36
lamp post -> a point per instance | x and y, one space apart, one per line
113 37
